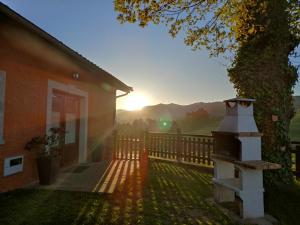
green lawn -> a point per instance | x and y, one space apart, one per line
283 202
206 130
295 127
205 127
169 194
212 124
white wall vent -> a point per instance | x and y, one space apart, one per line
13 165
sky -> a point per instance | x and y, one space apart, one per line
157 66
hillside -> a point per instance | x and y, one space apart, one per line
172 111
175 111
295 127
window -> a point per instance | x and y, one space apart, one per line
70 128
2 98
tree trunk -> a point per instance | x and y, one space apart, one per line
262 70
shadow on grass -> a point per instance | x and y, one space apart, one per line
157 193
176 194
283 202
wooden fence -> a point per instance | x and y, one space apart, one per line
295 154
191 149
180 147
129 147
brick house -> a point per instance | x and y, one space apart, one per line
44 83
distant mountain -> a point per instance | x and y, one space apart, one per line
175 111
172 111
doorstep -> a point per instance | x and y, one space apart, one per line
80 177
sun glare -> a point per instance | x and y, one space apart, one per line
135 101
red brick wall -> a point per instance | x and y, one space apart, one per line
29 63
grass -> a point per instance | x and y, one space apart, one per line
283 202
170 194
178 195
212 124
206 127
295 127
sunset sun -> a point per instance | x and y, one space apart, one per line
135 101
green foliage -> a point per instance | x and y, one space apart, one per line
283 175
219 26
198 114
261 33
137 127
197 122
261 70
49 145
199 126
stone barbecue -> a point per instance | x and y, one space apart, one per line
238 171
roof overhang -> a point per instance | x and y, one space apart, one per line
119 85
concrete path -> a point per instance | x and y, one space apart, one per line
81 177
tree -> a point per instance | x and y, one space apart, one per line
199 114
260 35
262 70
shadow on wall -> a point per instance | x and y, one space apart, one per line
101 149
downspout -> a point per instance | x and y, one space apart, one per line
115 115
119 96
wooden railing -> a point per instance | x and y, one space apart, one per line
195 149
191 149
295 154
129 147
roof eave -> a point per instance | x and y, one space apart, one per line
43 34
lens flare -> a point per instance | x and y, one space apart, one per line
134 101
165 124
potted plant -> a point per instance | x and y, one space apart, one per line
48 149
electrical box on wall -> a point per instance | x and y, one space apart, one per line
13 165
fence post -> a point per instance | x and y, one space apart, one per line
179 145
146 142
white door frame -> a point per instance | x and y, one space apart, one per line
83 129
